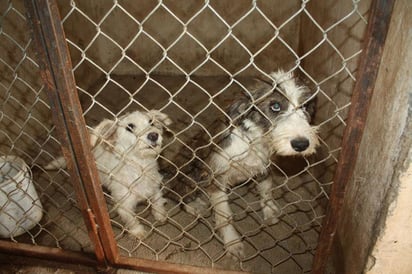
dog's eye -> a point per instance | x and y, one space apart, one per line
151 122
130 127
275 107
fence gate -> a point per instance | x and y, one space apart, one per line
69 65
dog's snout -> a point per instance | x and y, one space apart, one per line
153 136
300 144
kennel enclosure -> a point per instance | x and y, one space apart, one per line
103 58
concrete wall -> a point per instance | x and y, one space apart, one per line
214 44
393 248
24 111
333 64
378 198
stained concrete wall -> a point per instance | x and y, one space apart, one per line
188 32
24 111
330 51
378 199
392 251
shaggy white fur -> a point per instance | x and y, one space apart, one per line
126 152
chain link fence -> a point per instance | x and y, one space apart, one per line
188 59
36 207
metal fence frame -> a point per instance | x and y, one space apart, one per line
56 72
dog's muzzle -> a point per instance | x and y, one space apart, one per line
293 135
153 137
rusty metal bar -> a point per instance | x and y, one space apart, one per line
49 253
56 72
168 268
378 24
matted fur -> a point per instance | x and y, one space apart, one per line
274 120
126 152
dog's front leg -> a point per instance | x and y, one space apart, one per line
223 217
126 204
269 208
158 207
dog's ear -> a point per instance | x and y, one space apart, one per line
260 82
261 88
106 130
161 117
310 108
238 109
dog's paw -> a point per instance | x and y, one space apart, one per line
160 217
233 242
159 211
138 231
272 220
197 207
236 250
270 213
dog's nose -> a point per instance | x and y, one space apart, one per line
300 144
153 136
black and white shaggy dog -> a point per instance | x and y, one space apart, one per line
273 121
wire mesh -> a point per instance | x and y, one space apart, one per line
36 206
190 60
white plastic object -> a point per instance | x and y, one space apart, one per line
20 207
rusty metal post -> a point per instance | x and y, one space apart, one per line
51 253
56 72
378 24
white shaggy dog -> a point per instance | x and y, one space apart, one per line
274 121
126 152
